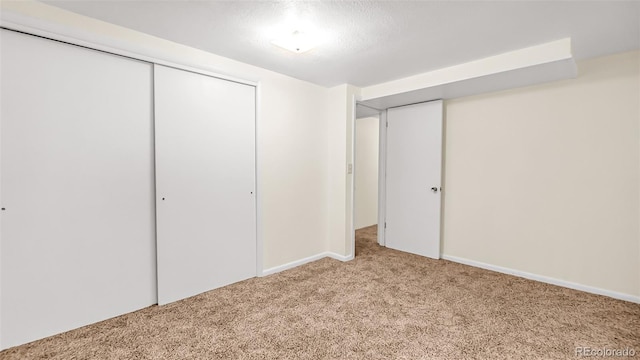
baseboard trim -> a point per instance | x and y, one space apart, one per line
544 279
291 265
338 256
296 263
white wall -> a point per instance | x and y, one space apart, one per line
291 140
337 162
341 116
545 179
292 157
366 172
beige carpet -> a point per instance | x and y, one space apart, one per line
383 305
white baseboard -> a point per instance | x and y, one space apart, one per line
296 263
544 279
338 256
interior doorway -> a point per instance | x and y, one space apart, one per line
416 161
366 173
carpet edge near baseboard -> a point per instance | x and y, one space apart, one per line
544 279
296 263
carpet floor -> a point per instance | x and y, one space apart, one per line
385 304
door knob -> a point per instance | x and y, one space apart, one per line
434 189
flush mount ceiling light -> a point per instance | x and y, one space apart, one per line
297 42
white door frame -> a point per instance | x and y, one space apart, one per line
382 177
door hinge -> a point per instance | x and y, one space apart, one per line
387 123
385 224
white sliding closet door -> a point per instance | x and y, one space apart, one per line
77 225
205 158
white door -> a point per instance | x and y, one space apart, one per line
78 226
414 162
205 176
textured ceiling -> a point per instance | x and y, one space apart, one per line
365 43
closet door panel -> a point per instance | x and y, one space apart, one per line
205 148
77 238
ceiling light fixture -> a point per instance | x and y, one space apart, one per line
297 42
